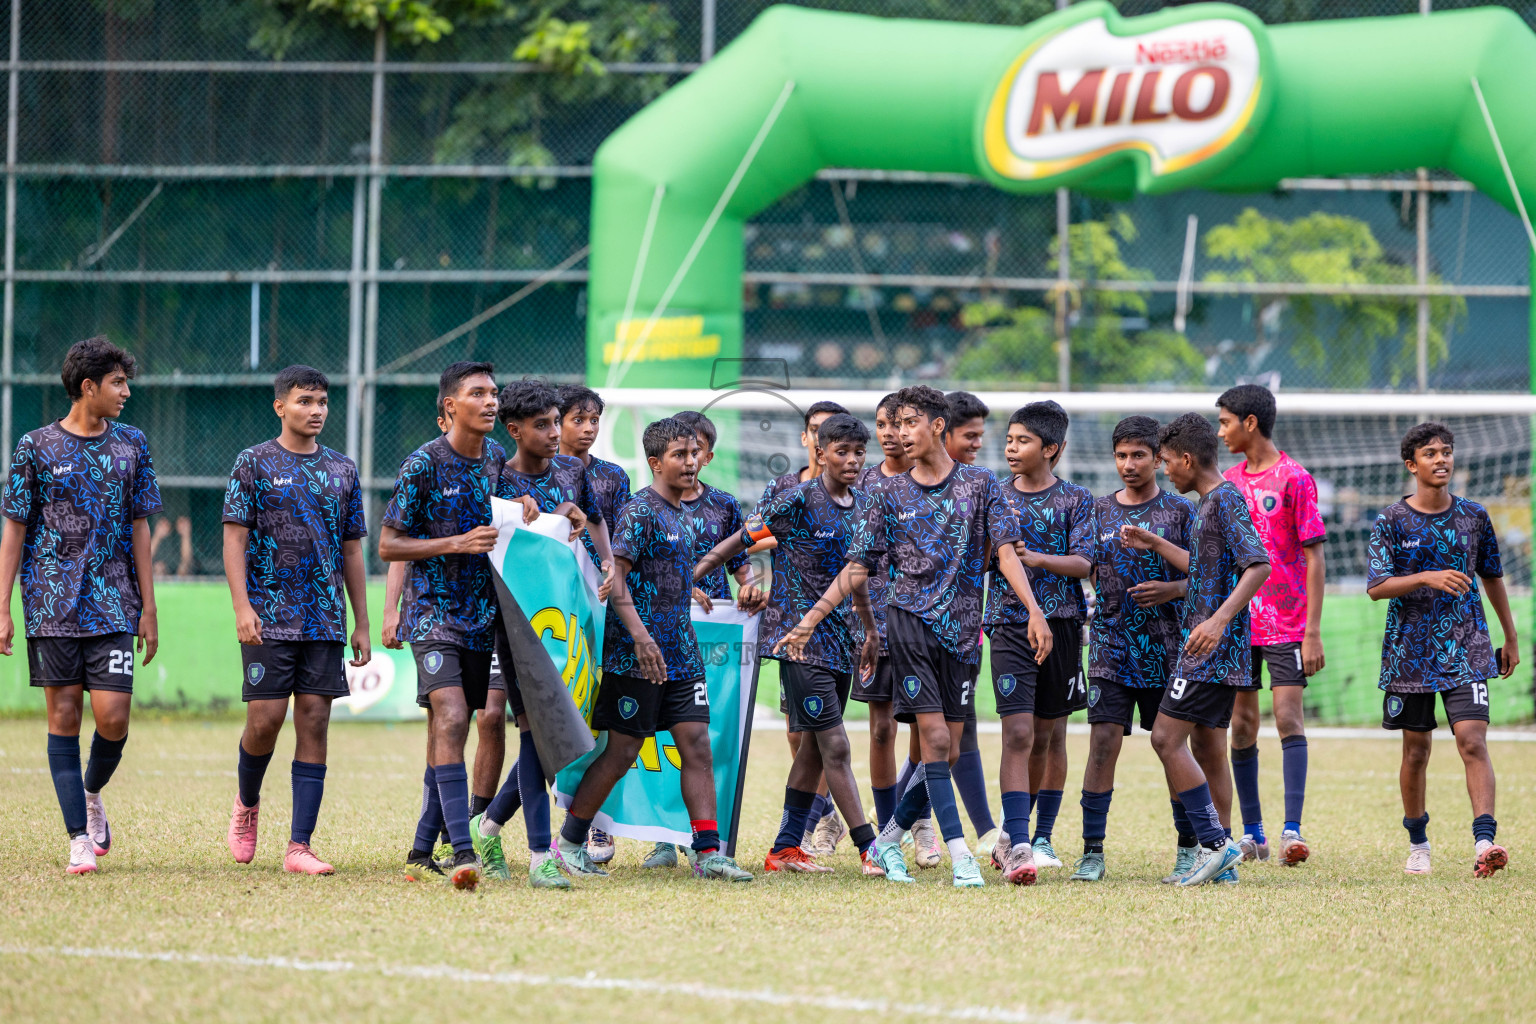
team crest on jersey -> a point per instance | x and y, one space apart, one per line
1268 500
1006 684
1093 696
1394 706
628 707
813 706
255 672
912 685
432 662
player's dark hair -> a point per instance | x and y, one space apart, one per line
1046 420
963 407
659 436
841 427
889 404
1191 434
1254 400
926 400
578 396
817 408
305 378
1419 436
703 428
1135 429
524 398
92 359
455 375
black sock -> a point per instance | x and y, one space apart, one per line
64 766
574 829
1416 828
1093 846
250 770
105 755
863 837
478 804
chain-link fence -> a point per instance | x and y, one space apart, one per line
229 186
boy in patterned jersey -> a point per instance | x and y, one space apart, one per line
938 522
1428 552
77 507
653 676
1134 639
1227 564
1056 536
559 484
439 520
716 515
814 523
293 541
876 689
1287 612
581 413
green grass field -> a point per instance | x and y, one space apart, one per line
170 929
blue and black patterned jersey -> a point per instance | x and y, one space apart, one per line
299 509
1055 521
938 538
1435 641
870 478
610 487
1127 643
814 533
1224 543
713 516
653 536
78 497
563 480
779 484
440 493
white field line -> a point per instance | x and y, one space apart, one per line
590 981
771 722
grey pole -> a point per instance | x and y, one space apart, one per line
8 340
371 296
355 318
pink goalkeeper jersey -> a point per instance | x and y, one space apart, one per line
1283 503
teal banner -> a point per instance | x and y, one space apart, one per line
647 804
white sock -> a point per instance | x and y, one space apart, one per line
489 828
568 848
539 857
890 835
1482 844
958 851
1419 846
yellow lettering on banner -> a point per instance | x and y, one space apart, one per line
673 337
673 757
649 760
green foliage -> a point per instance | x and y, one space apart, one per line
1017 344
1325 248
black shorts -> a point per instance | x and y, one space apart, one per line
816 696
1061 688
1415 712
638 707
1114 703
1284 661
1014 672
926 677
440 664
280 668
95 662
970 705
1207 704
504 674
877 689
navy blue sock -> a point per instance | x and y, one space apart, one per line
1202 815
863 837
1293 764
706 835
249 772
797 806
1182 826
507 799
453 791
904 783
1245 779
941 794
819 809
1047 806
64 766
1016 803
1095 819
308 791
530 785
1484 827
1417 828
912 805
431 820
105 756
971 781
574 830
885 803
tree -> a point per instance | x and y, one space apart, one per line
1018 343
1326 248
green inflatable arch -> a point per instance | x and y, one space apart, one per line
1199 96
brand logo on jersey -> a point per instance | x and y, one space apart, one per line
1093 696
1410 544
282 481
1006 684
63 467
813 706
902 517
628 707
451 492
432 662
826 534
912 685
673 538
1394 706
255 672
1109 538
